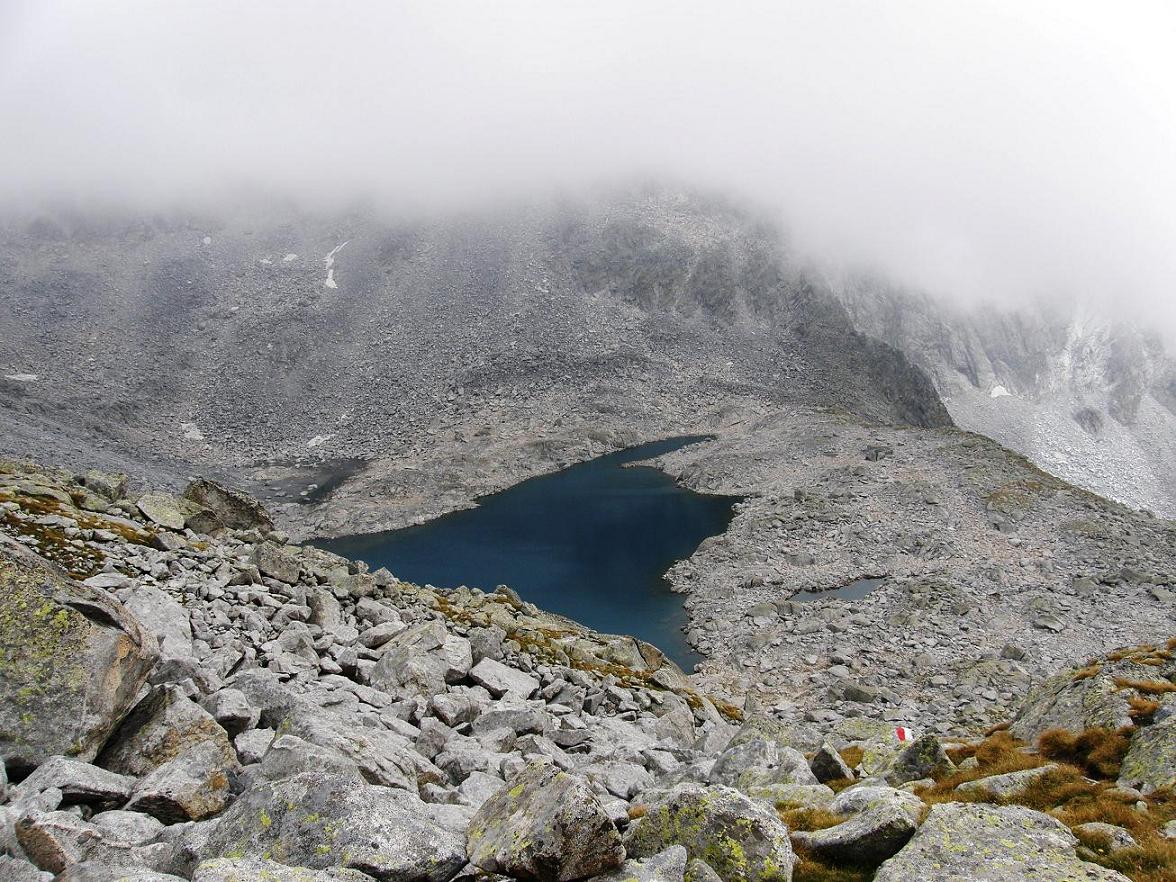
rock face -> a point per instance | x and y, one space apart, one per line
961 842
234 509
545 825
71 661
320 820
737 837
1150 763
1072 701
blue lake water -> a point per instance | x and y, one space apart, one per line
591 542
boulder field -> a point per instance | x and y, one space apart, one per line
185 695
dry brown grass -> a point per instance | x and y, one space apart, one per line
1153 861
1092 669
839 784
1073 798
810 818
1098 752
1146 687
1142 709
997 754
852 756
638 811
812 869
1144 654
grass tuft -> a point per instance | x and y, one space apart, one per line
808 819
1098 752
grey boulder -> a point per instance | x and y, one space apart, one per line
74 661
320 820
866 838
740 839
969 842
545 825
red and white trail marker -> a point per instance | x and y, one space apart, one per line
904 734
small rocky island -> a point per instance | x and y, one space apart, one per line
187 696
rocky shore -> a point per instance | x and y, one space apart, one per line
187 696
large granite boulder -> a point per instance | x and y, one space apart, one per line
757 763
741 839
72 660
866 838
544 825
183 757
1073 701
161 727
233 508
969 842
320 820
1150 763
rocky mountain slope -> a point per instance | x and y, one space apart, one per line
290 352
210 703
1087 397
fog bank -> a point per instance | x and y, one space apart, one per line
1007 150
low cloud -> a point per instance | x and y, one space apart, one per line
1005 150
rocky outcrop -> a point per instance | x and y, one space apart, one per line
232 508
72 660
961 842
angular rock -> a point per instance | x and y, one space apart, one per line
190 787
741 840
544 825
232 710
160 614
922 758
288 756
110 487
970 842
383 757
1115 837
162 726
275 561
499 680
319 820
235 509
700 871
1073 702
162 509
1150 763
866 838
758 763
72 660
827 765
1006 784
794 796
16 870
864 796
135 828
78 782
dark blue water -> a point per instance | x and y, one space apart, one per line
591 542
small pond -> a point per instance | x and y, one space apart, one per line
591 542
855 590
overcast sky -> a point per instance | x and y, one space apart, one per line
1005 149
